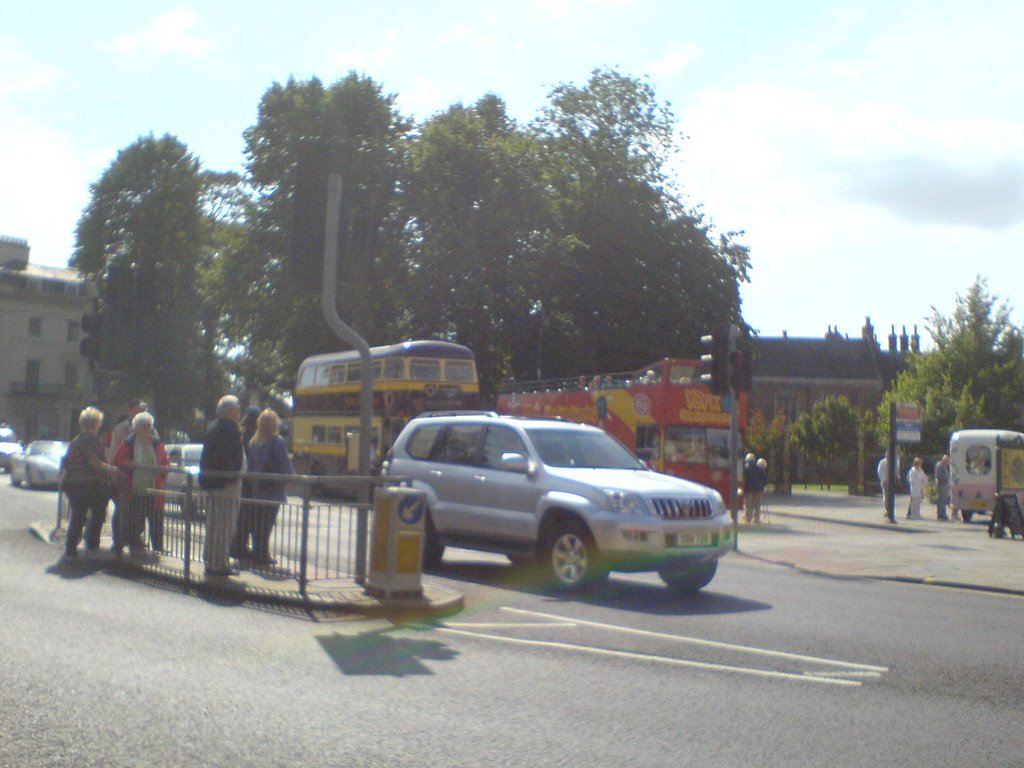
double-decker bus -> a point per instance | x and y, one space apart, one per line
662 412
408 379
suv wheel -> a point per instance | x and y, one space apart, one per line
691 579
571 556
433 549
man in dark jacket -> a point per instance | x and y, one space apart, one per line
222 454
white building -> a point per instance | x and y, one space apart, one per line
44 379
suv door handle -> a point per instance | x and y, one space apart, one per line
479 478
435 473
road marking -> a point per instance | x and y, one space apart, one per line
805 677
707 643
506 625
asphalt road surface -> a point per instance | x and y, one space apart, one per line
766 667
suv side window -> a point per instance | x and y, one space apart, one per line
460 447
422 442
497 441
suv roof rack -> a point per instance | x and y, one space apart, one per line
432 414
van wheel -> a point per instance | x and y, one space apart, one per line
689 579
571 557
433 549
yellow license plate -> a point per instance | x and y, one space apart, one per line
691 539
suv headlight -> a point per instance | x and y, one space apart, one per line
625 503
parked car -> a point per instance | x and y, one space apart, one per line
567 496
8 444
183 456
39 464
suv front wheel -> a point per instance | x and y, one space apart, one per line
571 557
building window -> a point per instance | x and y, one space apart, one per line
72 330
35 327
32 369
70 375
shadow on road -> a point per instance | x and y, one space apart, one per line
618 594
377 653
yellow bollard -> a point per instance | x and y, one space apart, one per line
396 544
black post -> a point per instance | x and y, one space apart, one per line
890 498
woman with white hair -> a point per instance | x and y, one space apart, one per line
140 459
87 483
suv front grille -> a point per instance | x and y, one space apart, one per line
681 509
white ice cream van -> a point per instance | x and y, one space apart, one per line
972 461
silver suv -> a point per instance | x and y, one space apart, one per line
567 496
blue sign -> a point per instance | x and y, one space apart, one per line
410 509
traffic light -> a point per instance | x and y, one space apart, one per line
716 362
742 358
91 343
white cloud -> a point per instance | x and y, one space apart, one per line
169 33
675 61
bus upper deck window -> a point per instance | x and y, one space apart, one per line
394 368
337 374
458 370
322 376
425 369
355 372
307 376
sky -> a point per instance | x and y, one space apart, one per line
871 152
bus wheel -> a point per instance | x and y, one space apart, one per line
433 549
571 557
689 580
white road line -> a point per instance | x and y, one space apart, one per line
506 625
651 658
866 674
707 643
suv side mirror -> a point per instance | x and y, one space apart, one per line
515 462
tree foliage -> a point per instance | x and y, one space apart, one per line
828 431
974 376
140 239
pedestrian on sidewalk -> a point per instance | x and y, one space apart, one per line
268 453
219 464
749 483
883 480
117 436
140 460
916 479
247 511
942 487
87 481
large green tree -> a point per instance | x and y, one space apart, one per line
477 230
641 276
973 377
271 282
140 239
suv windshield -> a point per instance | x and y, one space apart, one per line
590 450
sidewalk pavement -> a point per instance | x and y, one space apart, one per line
832 533
341 595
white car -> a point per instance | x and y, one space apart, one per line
183 456
8 445
39 464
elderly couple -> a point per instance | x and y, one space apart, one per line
224 456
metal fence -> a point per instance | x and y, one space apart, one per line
307 538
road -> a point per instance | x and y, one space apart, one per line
767 667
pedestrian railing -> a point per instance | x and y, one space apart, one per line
308 537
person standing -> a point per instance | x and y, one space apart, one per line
749 482
916 480
942 487
883 480
267 453
222 458
139 459
247 511
117 436
87 482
